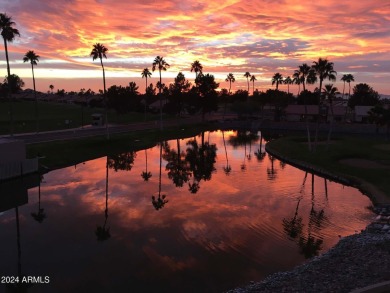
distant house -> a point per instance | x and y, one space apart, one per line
298 112
361 113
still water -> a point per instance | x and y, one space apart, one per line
220 214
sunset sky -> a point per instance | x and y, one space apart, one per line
259 36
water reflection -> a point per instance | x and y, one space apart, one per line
239 228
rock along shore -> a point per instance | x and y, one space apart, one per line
355 262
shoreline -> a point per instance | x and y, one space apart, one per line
357 261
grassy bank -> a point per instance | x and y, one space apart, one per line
67 153
53 116
364 161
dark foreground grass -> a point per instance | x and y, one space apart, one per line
53 116
345 147
60 154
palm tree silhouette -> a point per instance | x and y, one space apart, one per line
197 68
277 78
253 78
288 81
145 174
293 226
9 33
349 79
323 69
230 78
51 88
247 75
145 74
159 202
329 93
103 232
33 59
99 51
161 64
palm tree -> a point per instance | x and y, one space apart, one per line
228 168
161 64
277 79
145 74
159 202
329 92
197 68
297 80
323 69
304 73
247 75
99 51
51 88
9 33
33 59
349 79
344 79
253 78
288 81
230 78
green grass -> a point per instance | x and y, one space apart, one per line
52 116
345 147
67 153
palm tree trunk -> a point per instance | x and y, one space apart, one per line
105 98
307 127
36 99
11 106
159 91
318 117
330 127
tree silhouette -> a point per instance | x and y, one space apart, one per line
145 74
123 161
230 78
277 79
322 69
329 93
51 88
253 78
177 167
293 226
288 81
161 65
33 58
247 75
100 51
197 68
9 33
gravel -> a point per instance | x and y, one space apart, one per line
355 262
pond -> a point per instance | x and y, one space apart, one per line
217 216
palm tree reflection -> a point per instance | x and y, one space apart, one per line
160 201
103 232
227 169
145 174
40 215
177 167
293 226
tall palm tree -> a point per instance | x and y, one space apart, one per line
349 79
304 73
51 88
253 78
288 81
230 78
277 79
247 75
297 80
145 74
99 51
323 69
197 68
33 59
344 79
329 92
161 64
9 33
145 174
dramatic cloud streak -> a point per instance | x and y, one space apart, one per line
262 37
